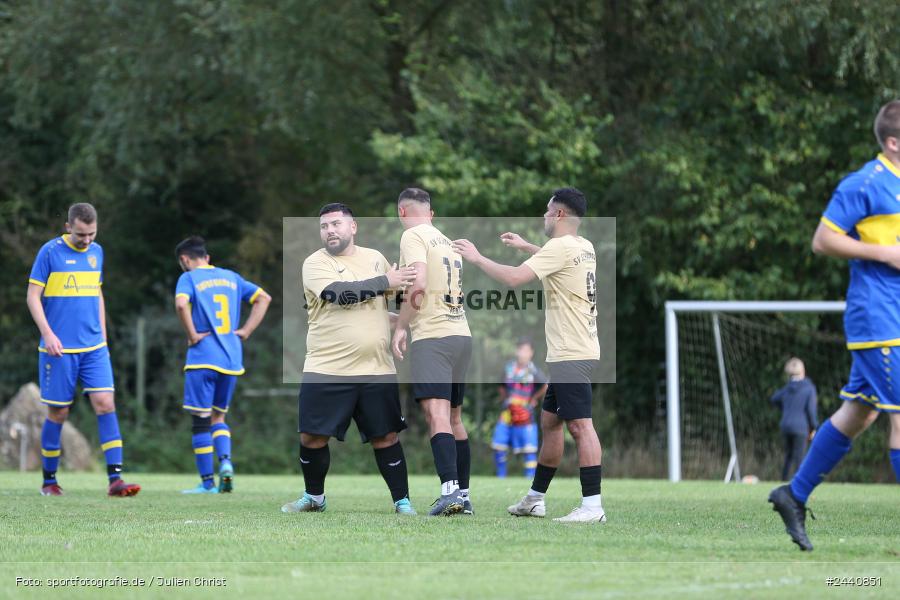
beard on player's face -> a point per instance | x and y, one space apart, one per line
335 243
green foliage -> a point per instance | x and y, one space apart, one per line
713 131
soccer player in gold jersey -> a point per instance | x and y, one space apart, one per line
441 345
566 265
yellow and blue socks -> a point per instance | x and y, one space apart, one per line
828 448
202 442
895 462
500 462
51 434
111 444
530 464
221 437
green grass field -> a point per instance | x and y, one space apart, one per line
693 539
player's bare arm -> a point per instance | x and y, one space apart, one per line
506 274
260 306
415 294
51 343
183 309
514 240
839 245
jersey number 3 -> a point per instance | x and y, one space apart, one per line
223 314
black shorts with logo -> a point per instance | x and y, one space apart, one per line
570 398
438 367
328 402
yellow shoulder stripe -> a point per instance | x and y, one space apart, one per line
830 224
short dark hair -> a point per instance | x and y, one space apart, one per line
887 123
572 199
192 247
336 207
524 341
82 211
414 193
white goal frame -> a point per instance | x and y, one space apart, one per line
673 382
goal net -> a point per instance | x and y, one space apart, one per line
724 362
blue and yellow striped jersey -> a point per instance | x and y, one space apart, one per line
866 206
71 279
215 295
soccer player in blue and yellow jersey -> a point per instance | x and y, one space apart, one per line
65 299
860 224
523 387
208 302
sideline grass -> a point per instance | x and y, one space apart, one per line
693 539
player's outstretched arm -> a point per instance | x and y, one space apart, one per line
514 240
33 298
840 245
260 306
507 274
183 310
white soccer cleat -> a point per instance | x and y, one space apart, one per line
584 514
528 506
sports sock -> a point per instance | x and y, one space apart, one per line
500 462
530 459
828 448
314 463
111 444
895 462
463 464
590 481
443 447
392 465
543 475
221 437
51 434
201 440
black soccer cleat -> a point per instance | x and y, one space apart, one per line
446 505
793 513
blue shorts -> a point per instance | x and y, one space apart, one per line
60 374
521 439
871 378
205 390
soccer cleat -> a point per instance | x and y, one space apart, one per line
467 508
446 505
201 490
583 514
793 513
226 477
404 507
529 506
119 488
305 503
51 489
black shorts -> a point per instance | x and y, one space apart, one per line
571 397
438 367
328 402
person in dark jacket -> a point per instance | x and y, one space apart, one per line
797 402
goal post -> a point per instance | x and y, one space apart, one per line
713 311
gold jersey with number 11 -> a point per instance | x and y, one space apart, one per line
441 312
